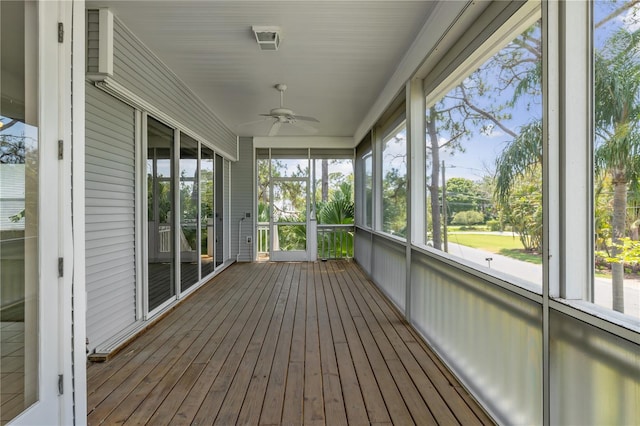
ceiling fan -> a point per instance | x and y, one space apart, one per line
284 115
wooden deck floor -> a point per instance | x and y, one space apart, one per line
280 343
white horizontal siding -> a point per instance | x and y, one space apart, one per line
93 42
242 190
110 216
142 73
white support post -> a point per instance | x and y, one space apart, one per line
144 225
175 212
575 151
550 185
417 169
140 203
415 125
78 196
376 144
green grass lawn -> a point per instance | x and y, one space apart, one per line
505 245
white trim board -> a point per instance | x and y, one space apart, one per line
303 142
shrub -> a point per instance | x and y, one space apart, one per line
469 217
494 225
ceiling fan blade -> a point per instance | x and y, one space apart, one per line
274 128
304 118
266 115
304 126
249 123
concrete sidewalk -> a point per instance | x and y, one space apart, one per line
533 273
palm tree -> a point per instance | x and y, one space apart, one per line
338 210
617 154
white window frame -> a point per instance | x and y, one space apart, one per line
389 133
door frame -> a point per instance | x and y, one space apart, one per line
61 207
289 255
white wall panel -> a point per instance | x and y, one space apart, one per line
137 69
110 220
491 338
388 268
242 177
595 376
362 249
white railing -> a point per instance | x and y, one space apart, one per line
334 241
164 237
263 239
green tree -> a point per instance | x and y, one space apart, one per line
617 154
463 195
340 209
394 192
479 104
617 109
522 209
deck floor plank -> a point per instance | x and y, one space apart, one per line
133 370
313 393
268 406
436 390
263 338
280 343
249 408
354 405
379 357
242 333
411 379
334 404
219 347
159 381
376 408
181 314
134 354
291 410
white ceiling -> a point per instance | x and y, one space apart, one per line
335 56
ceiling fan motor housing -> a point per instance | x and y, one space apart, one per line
277 112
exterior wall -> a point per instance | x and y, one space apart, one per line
388 268
110 216
362 248
491 337
114 286
134 72
242 182
490 334
137 69
595 376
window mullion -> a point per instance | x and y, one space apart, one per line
575 153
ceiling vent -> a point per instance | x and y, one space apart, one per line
268 38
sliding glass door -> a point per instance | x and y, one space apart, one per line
160 208
207 223
188 212
185 211
219 206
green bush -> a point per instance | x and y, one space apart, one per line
494 225
469 217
